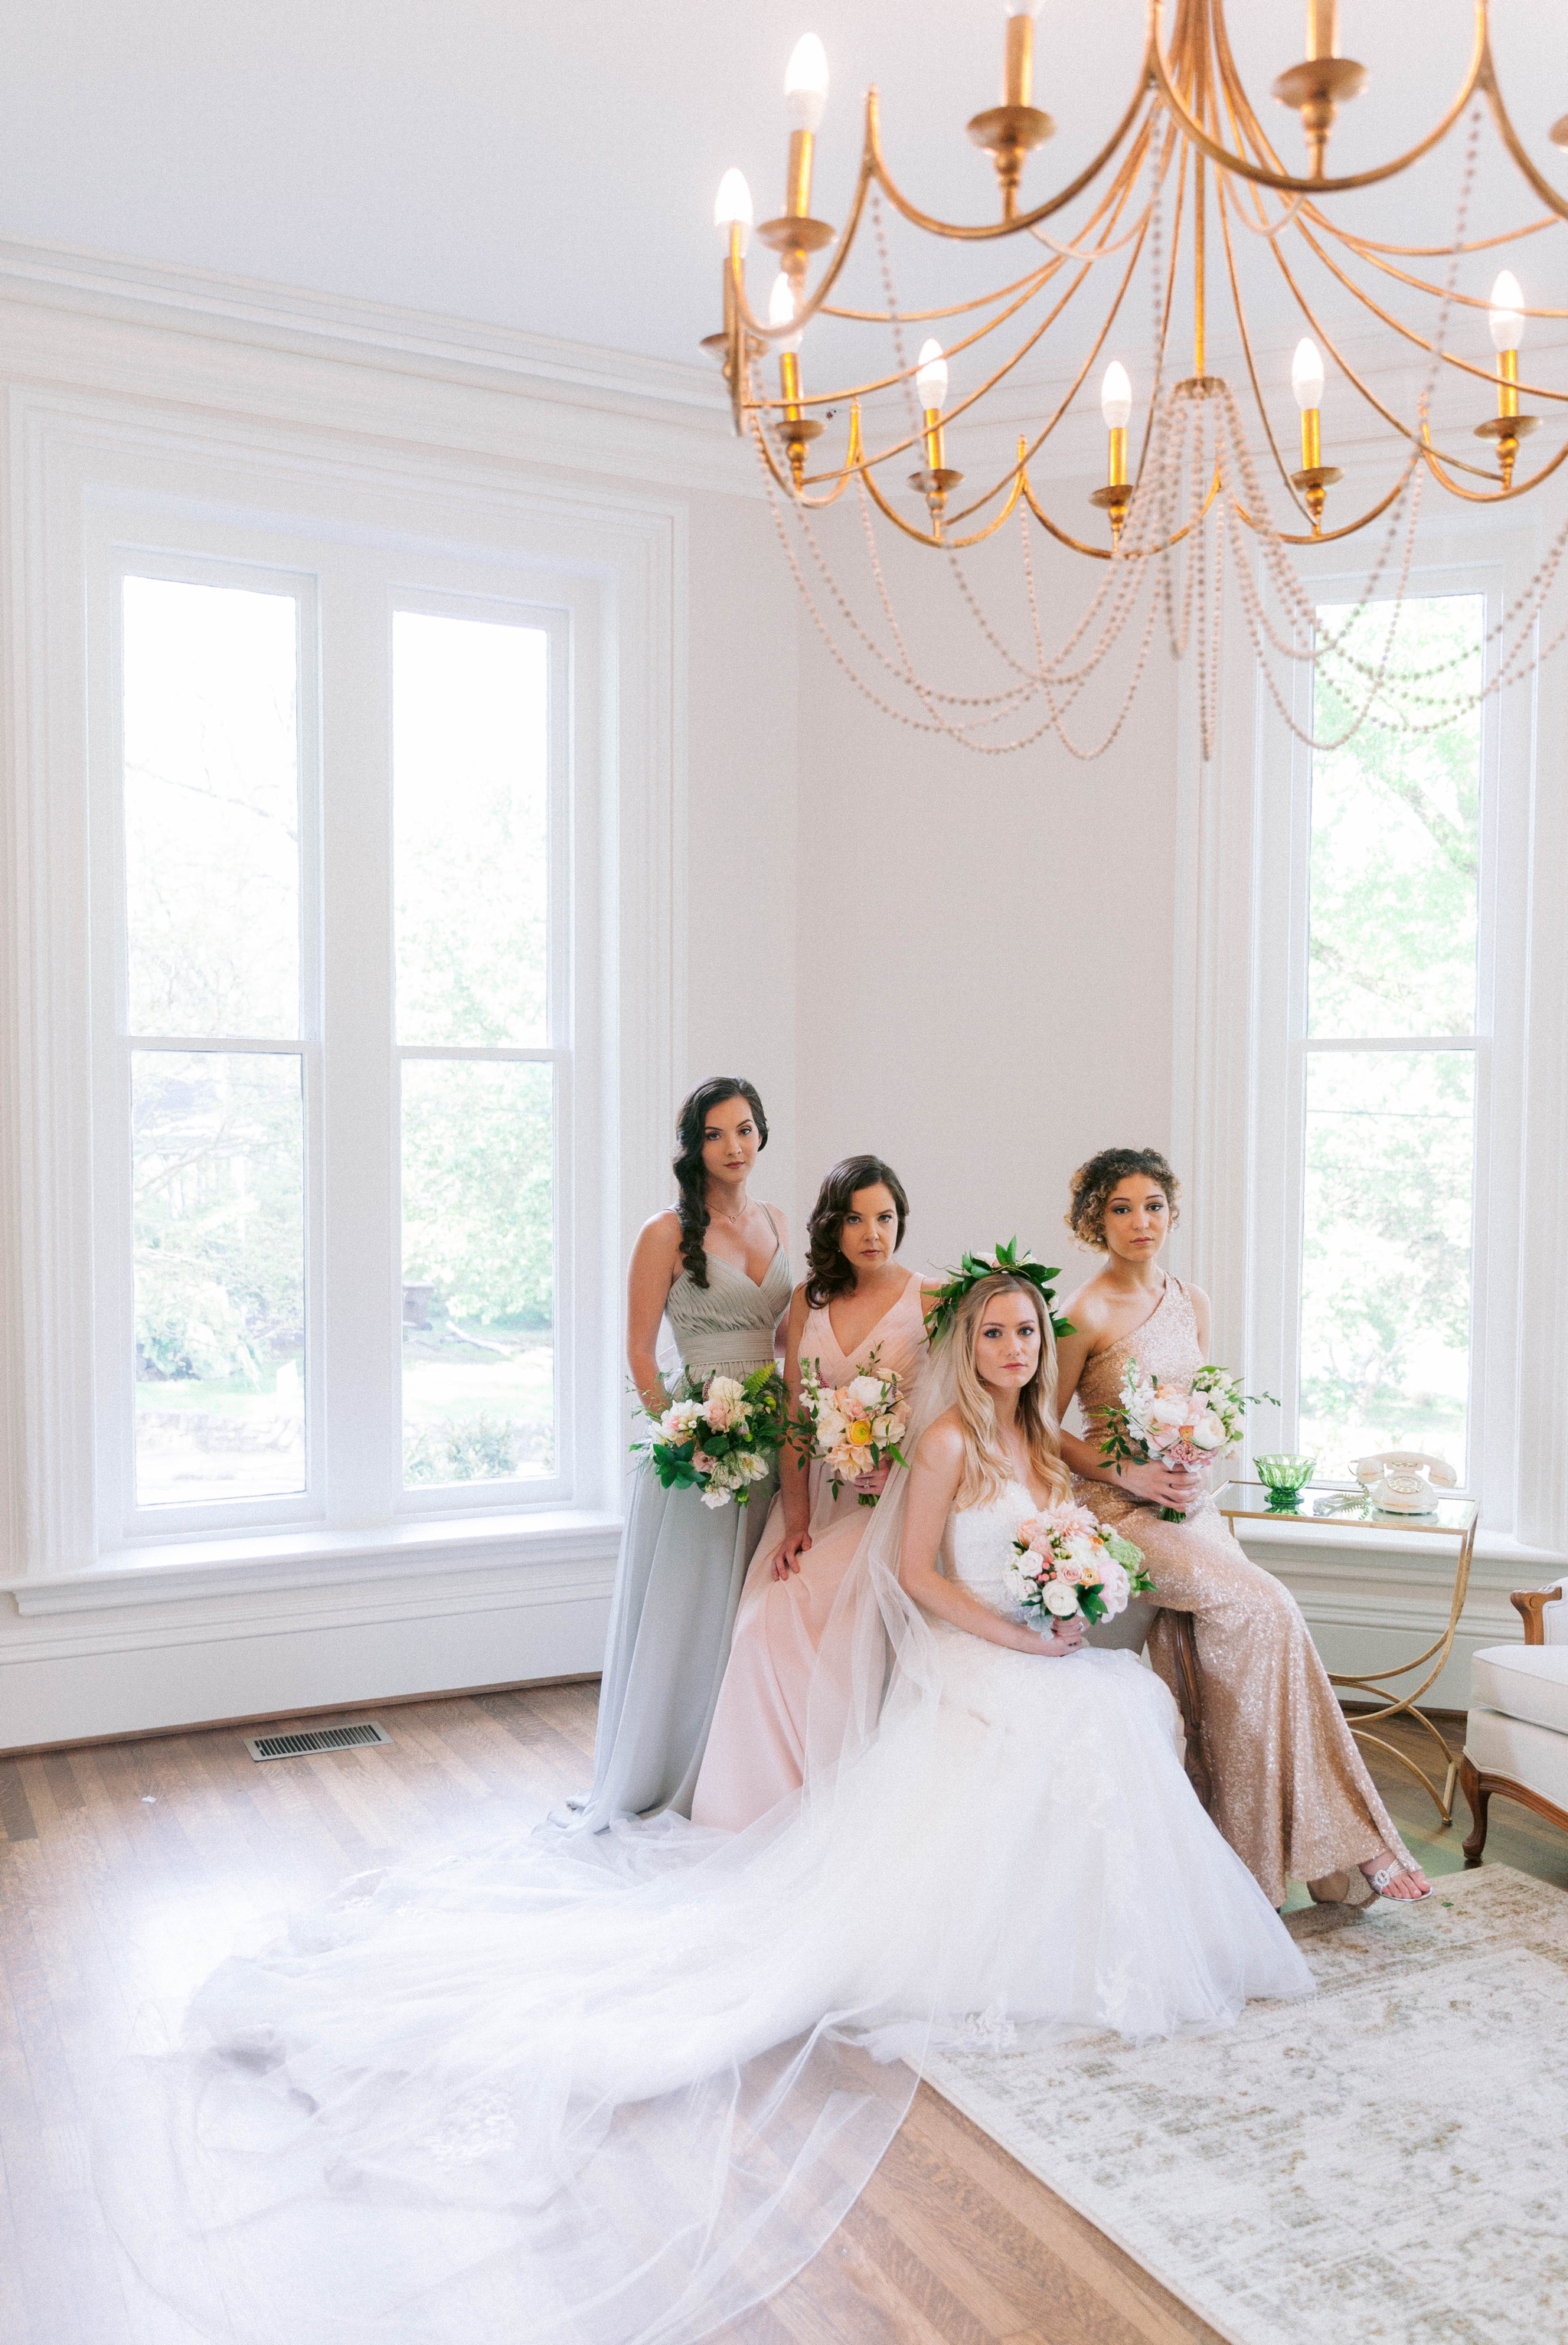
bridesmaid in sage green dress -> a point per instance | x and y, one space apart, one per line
717 1266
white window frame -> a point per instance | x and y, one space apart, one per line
1280 1047
350 583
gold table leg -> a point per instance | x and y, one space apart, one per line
1405 1705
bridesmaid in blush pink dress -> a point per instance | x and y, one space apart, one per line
856 1300
1292 1793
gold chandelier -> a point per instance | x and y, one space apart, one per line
1179 194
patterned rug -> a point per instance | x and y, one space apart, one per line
1388 2162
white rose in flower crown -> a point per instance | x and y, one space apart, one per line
1060 1599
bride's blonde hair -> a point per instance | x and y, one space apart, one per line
985 1475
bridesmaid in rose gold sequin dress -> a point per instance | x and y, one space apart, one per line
1292 1793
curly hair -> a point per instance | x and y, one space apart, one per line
828 1270
1093 1183
691 1174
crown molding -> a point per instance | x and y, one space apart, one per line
207 303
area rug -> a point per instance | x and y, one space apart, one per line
1387 2162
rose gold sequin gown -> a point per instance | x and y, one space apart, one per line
1291 1792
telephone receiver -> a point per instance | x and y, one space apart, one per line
1404 1481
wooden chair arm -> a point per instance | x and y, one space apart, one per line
1530 1603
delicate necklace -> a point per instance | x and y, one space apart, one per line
715 1215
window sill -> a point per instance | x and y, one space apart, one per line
564 1537
1492 1548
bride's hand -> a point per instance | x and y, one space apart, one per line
1160 1485
788 1559
875 1482
1066 1637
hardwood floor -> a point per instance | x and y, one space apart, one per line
127 1870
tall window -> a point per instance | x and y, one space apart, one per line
332 873
214 1022
471 854
1393 1060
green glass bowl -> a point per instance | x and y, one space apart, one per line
1285 1478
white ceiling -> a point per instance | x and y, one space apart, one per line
553 167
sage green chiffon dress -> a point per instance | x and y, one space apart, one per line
681 1570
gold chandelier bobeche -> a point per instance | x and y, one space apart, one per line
1181 190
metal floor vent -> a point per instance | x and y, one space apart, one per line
323 1738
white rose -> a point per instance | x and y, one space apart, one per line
830 1427
1061 1599
1207 1433
716 1497
866 1392
726 1388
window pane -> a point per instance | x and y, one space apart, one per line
1385 1305
469 752
217 1172
478 1380
1396 840
211 810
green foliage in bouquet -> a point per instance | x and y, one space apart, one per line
759 1430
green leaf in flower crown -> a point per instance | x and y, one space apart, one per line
1006 1261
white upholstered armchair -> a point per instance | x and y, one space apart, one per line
1516 1736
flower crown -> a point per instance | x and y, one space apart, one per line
1008 1264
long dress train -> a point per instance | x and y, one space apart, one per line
612 2089
681 1570
757 1749
1292 1794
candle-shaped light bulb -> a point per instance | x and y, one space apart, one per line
1116 397
806 94
1018 57
781 313
1115 407
1306 374
806 82
732 207
1322 28
931 377
1306 382
1506 315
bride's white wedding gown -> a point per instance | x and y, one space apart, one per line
617 2087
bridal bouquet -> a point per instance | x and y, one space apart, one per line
1067 1561
1178 1427
855 1427
723 1441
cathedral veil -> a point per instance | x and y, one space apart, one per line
615 2080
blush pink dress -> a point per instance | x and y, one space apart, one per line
756 1747
1291 1791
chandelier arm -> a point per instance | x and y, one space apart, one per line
1288 184
1076 252
920 536
1128 554
767 333
1426 252
1348 371
1435 465
1034 279
1511 138
1170 289
1448 357
1247 349
1461 301
1326 536
986 232
979 536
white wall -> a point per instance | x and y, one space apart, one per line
984 941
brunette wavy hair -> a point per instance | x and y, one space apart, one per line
828 1270
691 1174
985 1475
1095 1183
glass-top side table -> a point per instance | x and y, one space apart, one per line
1331 1506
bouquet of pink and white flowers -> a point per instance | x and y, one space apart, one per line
723 1441
855 1427
1178 1426
1068 1562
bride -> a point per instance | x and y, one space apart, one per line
622 2087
